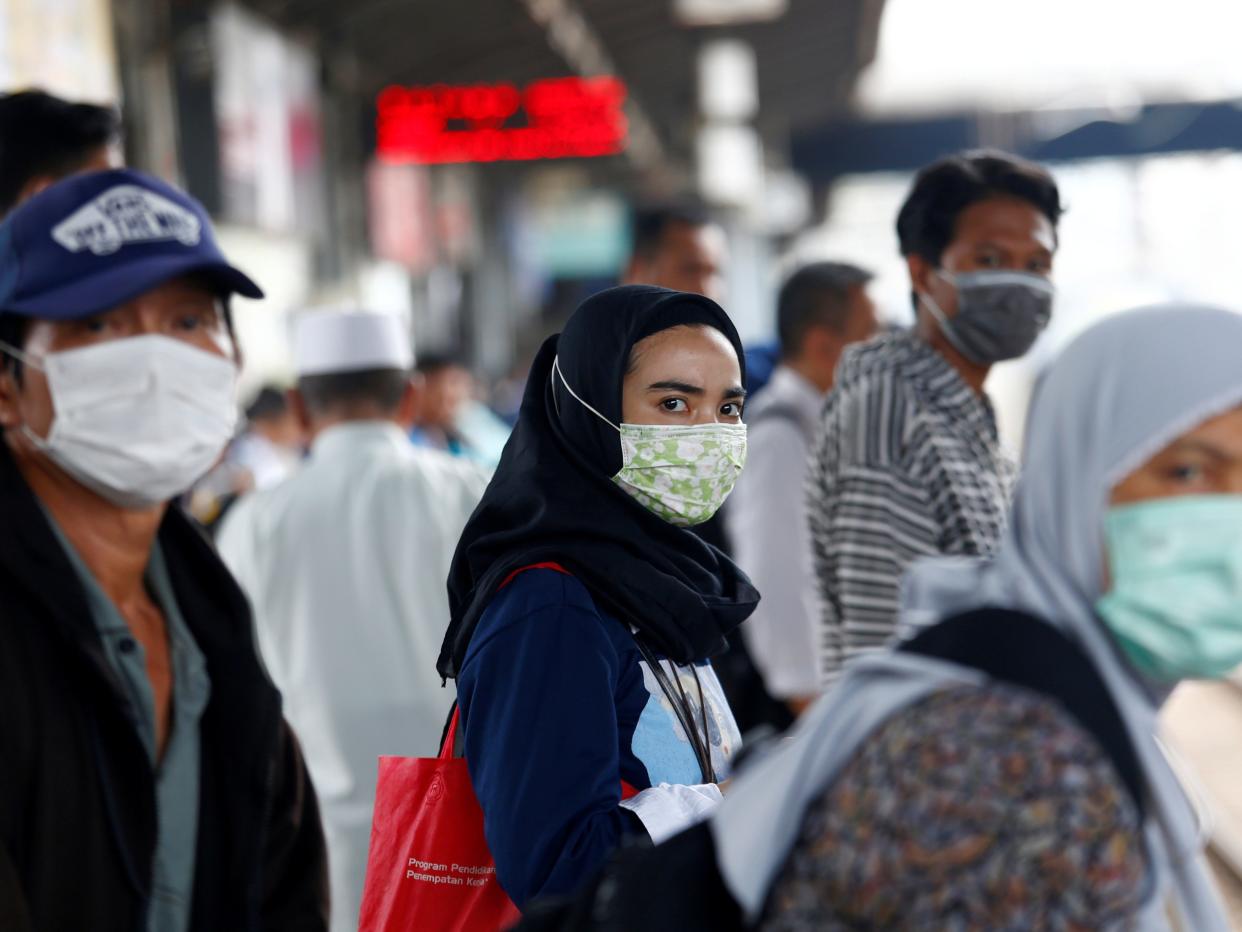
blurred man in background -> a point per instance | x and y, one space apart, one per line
447 386
908 462
141 735
266 453
44 139
451 417
822 308
678 246
345 566
270 448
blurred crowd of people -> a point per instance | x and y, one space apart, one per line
217 619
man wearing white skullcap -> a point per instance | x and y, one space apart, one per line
345 565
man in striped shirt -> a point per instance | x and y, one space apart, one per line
907 462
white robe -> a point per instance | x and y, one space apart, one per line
346 565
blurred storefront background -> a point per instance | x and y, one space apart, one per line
292 121
66 45
474 166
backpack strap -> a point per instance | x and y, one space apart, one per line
451 742
450 720
533 566
1014 647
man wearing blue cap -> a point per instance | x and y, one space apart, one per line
148 778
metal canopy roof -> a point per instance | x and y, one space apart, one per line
808 60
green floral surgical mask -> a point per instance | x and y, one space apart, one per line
1175 608
680 472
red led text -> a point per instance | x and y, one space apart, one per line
555 118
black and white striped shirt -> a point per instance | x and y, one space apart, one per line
906 464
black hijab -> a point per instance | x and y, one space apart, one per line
553 500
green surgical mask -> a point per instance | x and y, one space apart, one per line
1175 607
681 473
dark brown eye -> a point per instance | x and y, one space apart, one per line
1187 474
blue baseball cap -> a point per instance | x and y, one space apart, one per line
94 241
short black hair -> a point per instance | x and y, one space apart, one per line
433 362
942 190
269 403
816 294
382 388
45 135
651 221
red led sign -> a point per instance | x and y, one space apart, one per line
557 118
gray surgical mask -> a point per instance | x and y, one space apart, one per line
999 313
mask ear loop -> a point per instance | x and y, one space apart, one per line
942 319
21 356
556 402
556 371
39 443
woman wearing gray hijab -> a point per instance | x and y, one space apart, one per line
1000 768
1126 537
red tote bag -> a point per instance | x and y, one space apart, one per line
429 869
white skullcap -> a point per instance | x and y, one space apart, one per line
347 341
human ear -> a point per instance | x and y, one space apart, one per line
921 273
411 400
10 398
297 404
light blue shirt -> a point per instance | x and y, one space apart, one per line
177 773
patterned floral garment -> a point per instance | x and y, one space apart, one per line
985 809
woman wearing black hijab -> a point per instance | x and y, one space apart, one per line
583 610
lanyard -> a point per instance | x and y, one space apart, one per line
699 740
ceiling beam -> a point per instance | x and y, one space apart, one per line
573 38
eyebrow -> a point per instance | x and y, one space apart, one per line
1000 247
1202 446
672 385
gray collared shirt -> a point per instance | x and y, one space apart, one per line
177 772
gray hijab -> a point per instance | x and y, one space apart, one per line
1117 395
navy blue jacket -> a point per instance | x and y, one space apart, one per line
558 710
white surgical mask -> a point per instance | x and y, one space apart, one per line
137 420
680 472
